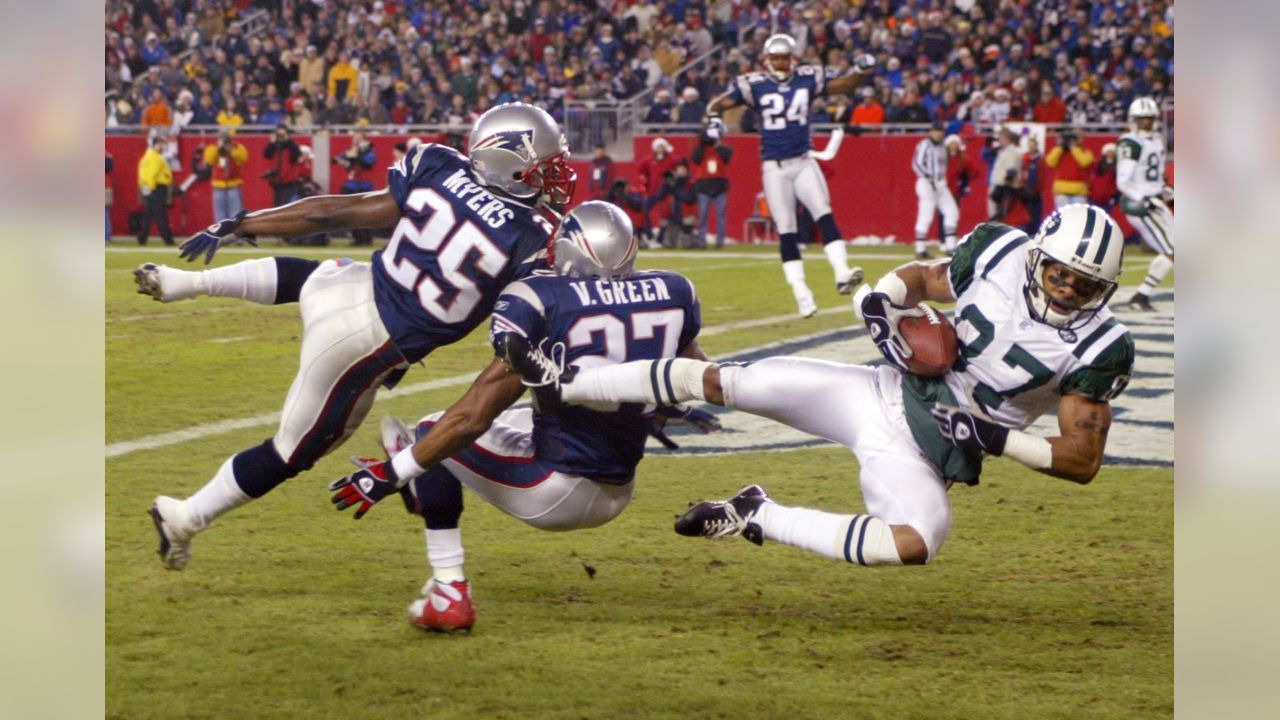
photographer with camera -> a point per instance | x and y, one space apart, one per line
226 158
711 180
1070 162
359 160
285 175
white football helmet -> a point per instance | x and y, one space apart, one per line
780 56
594 239
1085 240
520 150
1144 107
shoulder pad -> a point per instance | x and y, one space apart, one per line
755 77
807 70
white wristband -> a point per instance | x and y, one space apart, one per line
406 466
1030 450
894 287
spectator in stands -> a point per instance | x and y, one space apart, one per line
273 114
183 114
157 114
229 116
691 107
359 161
334 112
342 78
869 111
1070 162
1049 108
647 67
601 173
311 68
153 53
155 178
226 158
663 109
285 175
710 173
206 113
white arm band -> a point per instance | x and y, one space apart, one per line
1030 450
894 287
406 466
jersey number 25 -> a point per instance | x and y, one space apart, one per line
455 244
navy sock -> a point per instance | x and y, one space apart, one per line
788 244
259 469
439 498
827 224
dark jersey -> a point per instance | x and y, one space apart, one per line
649 316
456 246
783 107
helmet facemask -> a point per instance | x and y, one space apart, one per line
1045 274
553 178
779 57
1073 266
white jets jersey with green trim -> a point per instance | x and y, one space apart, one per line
1140 164
1011 367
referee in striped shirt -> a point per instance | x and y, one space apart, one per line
930 164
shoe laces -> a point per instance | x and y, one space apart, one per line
551 365
726 525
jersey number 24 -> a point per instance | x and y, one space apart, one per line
775 112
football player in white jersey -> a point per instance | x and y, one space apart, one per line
783 94
1035 334
1143 193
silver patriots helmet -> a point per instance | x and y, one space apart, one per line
780 56
520 150
594 239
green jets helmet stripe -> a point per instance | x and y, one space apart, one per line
1089 225
980 252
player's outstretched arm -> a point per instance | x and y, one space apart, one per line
309 216
324 213
846 84
492 392
721 103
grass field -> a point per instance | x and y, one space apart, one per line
1049 599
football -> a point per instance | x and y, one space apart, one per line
932 340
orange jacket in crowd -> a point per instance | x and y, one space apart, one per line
157 114
872 114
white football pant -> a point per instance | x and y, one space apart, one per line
500 466
1156 228
795 178
932 196
859 407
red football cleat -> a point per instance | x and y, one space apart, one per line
444 607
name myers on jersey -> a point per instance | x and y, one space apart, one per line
621 292
493 211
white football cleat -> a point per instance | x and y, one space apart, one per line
175 529
804 299
849 281
164 284
444 607
395 436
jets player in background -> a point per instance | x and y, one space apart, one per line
1036 334
1143 193
929 161
465 227
782 95
566 468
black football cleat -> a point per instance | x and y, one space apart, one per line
541 373
725 518
1141 303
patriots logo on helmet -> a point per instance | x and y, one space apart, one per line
519 142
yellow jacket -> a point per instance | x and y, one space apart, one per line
343 71
1071 176
153 170
226 174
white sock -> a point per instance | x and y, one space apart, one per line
219 495
252 280
445 554
664 382
838 256
920 246
950 242
860 539
793 271
1156 273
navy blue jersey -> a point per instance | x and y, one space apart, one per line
456 246
648 316
783 107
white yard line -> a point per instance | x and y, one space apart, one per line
199 432
225 340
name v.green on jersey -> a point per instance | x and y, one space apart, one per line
1011 367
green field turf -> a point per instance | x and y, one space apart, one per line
1048 600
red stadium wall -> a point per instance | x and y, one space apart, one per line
872 185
